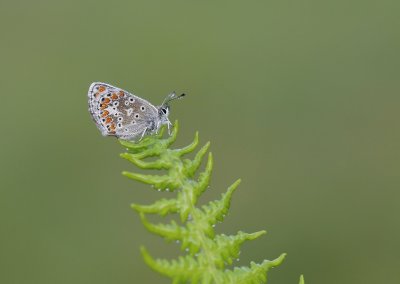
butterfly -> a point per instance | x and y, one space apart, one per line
119 113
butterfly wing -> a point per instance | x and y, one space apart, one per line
119 113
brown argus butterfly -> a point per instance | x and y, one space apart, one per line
119 113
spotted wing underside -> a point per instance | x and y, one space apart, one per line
119 113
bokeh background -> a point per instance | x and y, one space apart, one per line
299 98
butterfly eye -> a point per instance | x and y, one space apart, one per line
164 110
116 103
126 102
120 118
142 108
119 125
131 100
136 116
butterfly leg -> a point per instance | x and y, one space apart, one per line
168 125
144 132
158 126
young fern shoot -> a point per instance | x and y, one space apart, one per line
207 255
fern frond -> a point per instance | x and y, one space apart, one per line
161 207
182 270
229 246
216 210
256 273
206 255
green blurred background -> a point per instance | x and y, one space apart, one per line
299 98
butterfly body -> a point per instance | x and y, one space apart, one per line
119 113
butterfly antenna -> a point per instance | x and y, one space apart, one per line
171 97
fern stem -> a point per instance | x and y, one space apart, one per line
207 254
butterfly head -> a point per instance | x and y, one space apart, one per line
164 109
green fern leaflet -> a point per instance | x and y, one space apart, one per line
207 255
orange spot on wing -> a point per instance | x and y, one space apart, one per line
105 103
114 96
112 127
105 113
102 89
108 120
121 94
